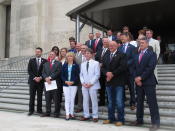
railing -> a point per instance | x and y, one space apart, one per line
15 71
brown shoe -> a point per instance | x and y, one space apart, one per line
95 119
136 123
118 124
154 128
84 119
107 122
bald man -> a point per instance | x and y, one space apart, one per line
114 66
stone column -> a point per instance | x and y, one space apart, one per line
2 30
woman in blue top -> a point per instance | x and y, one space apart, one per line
70 78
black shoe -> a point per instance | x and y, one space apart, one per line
154 128
136 123
45 115
39 112
56 115
30 113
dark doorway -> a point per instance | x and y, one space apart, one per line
7 38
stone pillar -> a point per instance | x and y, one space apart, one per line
2 30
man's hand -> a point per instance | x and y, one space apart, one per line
37 79
69 83
109 76
84 85
139 83
48 80
138 79
89 85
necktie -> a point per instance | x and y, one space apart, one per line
140 56
90 43
103 52
95 45
87 66
124 48
50 64
38 63
111 55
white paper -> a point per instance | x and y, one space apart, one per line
51 86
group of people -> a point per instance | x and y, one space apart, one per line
107 66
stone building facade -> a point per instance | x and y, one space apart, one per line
27 24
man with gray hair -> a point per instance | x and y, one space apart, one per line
145 80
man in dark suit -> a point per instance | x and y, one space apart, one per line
52 71
98 42
129 50
35 81
114 68
101 53
91 41
145 63
110 35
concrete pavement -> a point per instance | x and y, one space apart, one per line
21 122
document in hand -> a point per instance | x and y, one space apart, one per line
51 86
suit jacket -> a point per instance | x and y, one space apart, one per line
54 72
99 57
78 58
93 74
113 38
117 66
74 74
130 54
156 46
99 45
146 68
33 71
88 44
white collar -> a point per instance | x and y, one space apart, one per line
114 52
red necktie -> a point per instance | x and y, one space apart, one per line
50 64
95 46
140 56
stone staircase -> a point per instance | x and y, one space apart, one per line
16 96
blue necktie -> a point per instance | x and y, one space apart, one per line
124 48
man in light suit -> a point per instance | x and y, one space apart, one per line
155 44
145 63
52 71
89 76
80 58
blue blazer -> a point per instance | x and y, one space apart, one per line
88 44
130 55
74 74
145 69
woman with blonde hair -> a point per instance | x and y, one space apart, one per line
70 78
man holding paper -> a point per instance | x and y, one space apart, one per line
52 74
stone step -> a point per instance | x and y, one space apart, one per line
163 112
166 79
24 79
166 72
166 82
166 75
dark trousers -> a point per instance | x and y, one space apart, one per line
130 83
150 92
36 87
55 96
102 91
